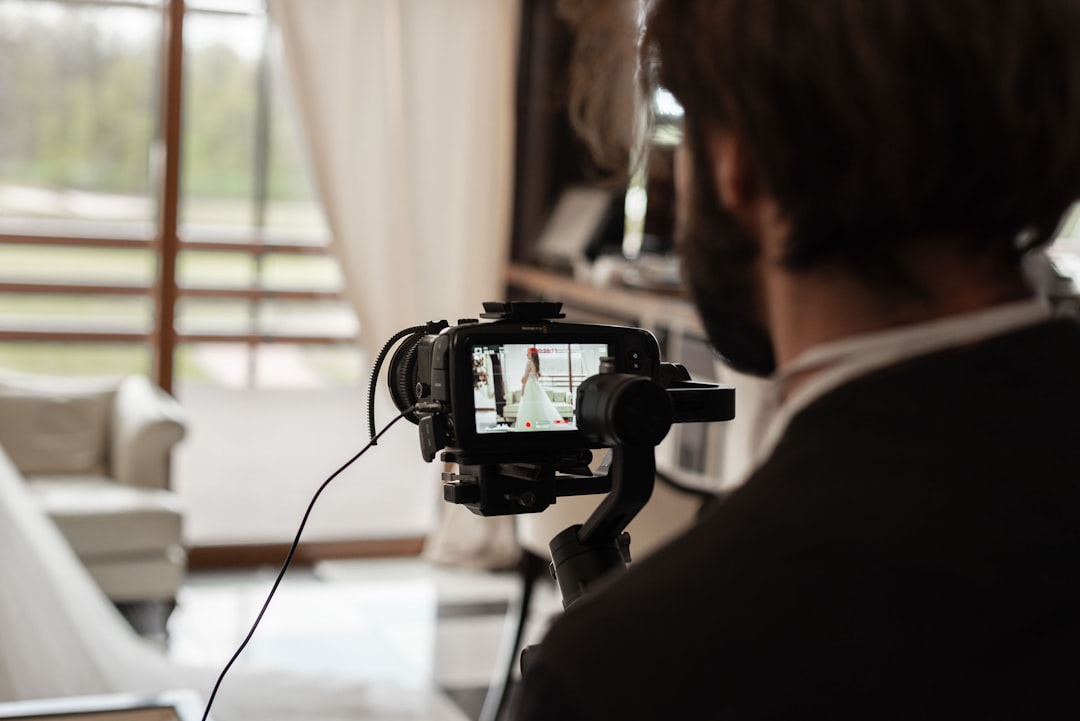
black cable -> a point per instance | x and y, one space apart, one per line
288 559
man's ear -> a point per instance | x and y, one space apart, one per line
736 176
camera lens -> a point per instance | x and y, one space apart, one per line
402 376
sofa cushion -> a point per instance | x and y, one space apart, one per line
100 517
56 427
153 577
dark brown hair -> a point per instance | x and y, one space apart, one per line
875 120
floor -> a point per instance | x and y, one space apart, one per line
391 623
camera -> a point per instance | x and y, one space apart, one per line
526 387
519 404
510 388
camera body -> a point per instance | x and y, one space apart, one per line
519 404
510 388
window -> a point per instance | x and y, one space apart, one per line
86 209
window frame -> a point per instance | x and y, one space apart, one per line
166 242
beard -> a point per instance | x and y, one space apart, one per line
719 269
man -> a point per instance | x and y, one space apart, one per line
858 182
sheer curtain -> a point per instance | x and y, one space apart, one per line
407 108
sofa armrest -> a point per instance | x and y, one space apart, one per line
146 423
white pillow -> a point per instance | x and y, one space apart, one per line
57 426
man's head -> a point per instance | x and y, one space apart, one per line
874 124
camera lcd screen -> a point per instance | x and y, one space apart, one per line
530 387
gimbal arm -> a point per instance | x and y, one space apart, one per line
583 553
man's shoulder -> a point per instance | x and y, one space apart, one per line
721 617
660 623
1045 353
825 558
953 402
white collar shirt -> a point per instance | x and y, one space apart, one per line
838 362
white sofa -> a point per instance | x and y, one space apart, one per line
563 401
95 454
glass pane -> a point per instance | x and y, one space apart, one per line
76 359
292 202
295 217
77 111
47 263
213 364
282 365
337 365
40 312
220 107
270 365
244 162
199 315
307 318
201 269
253 7
304 272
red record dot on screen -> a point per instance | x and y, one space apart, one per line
528 424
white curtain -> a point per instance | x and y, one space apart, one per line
407 108
60 636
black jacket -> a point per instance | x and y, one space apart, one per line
910 550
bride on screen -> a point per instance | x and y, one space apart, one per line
536 409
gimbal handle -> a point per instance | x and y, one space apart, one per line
583 553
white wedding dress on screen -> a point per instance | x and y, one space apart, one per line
536 411
60 636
